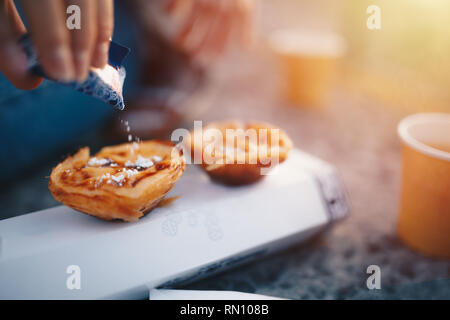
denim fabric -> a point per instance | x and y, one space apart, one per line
34 124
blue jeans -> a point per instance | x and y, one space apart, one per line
34 124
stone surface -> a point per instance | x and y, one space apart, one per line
357 135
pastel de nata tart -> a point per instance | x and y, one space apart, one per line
120 182
238 153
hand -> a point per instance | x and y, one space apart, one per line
210 24
64 54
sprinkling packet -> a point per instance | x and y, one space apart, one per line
105 84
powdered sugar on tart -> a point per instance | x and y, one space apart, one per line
119 182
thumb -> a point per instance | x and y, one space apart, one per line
13 61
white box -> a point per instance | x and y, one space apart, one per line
210 228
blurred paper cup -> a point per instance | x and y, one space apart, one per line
309 63
424 220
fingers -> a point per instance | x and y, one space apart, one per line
244 24
105 25
82 40
217 26
65 55
200 28
13 62
11 14
220 35
221 29
211 23
171 5
51 37
187 30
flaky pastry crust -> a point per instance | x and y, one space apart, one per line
120 182
244 164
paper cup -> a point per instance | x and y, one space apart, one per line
424 219
309 64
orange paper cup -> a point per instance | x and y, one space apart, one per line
309 62
424 219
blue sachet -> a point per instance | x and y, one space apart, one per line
105 84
